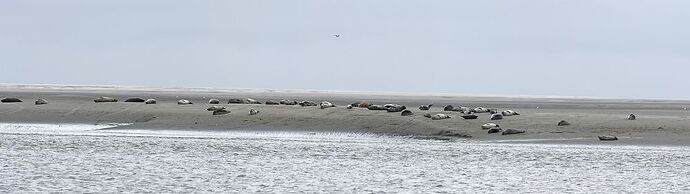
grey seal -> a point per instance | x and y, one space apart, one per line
632 117
104 99
10 100
496 117
406 113
41 102
150 101
608 138
214 101
253 112
439 116
563 123
425 107
184 102
326 104
215 108
512 131
489 125
137 99
509 113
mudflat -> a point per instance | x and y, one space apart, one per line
658 121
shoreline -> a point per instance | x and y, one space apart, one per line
663 122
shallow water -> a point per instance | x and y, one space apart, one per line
80 159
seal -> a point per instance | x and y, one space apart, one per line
509 113
377 107
214 101
184 102
150 101
563 123
253 112
326 104
215 108
307 103
489 125
608 138
469 116
425 107
10 100
448 108
104 99
394 107
495 130
439 116
41 102
632 117
406 113
288 102
137 99
481 110
272 102
512 131
427 115
221 112
496 117
361 104
349 106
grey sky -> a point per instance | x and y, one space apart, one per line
616 48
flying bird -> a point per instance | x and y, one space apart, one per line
337 35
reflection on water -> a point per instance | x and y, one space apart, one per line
146 161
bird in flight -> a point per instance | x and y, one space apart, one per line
337 35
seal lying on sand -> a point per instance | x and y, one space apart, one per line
40 102
425 107
104 99
9 100
361 104
496 117
495 130
215 108
214 101
394 107
349 106
326 104
448 108
489 125
288 102
307 103
427 115
563 123
135 100
150 101
469 116
272 102
183 102
377 107
512 131
480 110
608 138
509 113
462 109
243 101
221 112
406 113
253 112
632 117
439 116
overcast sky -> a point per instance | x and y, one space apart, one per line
611 48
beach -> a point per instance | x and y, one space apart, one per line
659 122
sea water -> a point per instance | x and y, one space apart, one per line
91 158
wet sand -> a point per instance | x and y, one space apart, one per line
659 121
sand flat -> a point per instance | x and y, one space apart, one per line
659 121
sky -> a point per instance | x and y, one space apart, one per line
614 48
